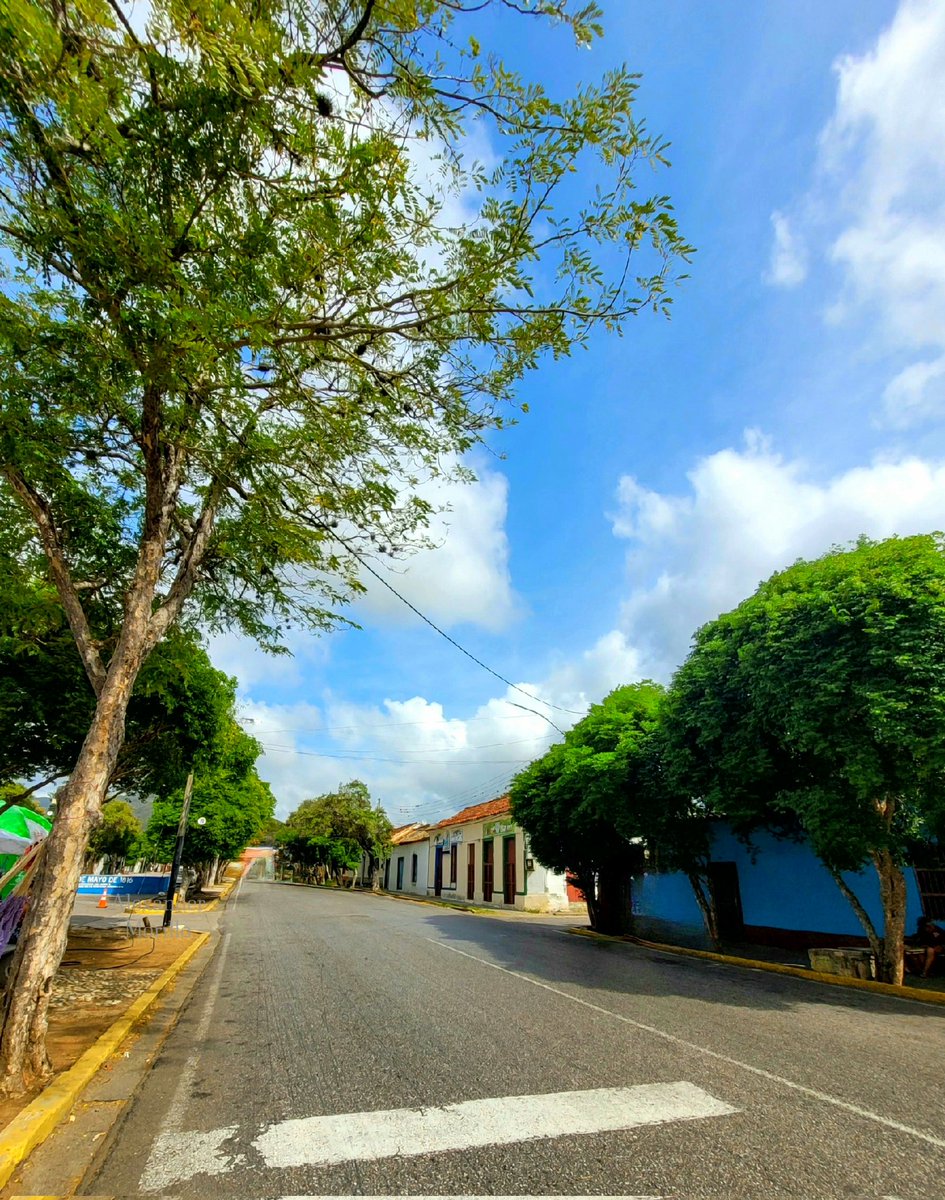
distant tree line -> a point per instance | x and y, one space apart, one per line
815 709
327 836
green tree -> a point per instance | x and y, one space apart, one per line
46 704
674 823
230 797
269 832
242 321
334 830
819 705
116 836
586 804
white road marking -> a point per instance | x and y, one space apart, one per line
407 1132
824 1097
175 1155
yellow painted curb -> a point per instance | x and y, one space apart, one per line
30 1127
868 985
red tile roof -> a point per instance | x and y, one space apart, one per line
479 812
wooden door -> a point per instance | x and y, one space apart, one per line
438 872
723 880
508 873
400 874
487 870
471 873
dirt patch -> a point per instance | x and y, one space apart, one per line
92 989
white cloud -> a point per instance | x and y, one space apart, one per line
878 202
465 577
917 392
788 266
420 762
748 513
885 142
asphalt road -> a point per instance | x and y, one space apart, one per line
580 1067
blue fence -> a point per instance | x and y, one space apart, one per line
123 885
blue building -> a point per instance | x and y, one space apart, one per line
775 891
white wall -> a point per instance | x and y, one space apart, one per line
406 851
537 890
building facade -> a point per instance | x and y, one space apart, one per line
407 869
480 855
773 891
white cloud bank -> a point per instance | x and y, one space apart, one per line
881 192
788 265
746 514
465 577
421 763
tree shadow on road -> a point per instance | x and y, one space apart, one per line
594 969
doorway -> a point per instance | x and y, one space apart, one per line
487 869
471 873
438 872
508 872
723 880
400 874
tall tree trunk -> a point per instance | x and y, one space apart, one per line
875 941
375 874
587 882
23 1057
614 894
706 901
892 889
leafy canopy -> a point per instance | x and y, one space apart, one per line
117 835
335 829
242 318
228 794
583 801
821 701
178 708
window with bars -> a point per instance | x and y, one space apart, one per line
932 892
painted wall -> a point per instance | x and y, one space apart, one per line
122 885
538 890
783 885
406 851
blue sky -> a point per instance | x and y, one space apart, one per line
794 401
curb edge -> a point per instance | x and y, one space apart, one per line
867 985
33 1125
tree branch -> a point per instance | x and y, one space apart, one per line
39 510
875 941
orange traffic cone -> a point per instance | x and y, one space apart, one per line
103 899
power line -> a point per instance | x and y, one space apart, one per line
332 729
452 641
406 762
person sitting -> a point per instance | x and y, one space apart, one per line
926 945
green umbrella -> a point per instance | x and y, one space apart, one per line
20 828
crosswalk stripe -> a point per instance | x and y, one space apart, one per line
405 1132
408 1132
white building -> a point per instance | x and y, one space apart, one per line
481 855
407 868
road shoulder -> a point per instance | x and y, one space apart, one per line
52 1144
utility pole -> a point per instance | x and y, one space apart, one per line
178 851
